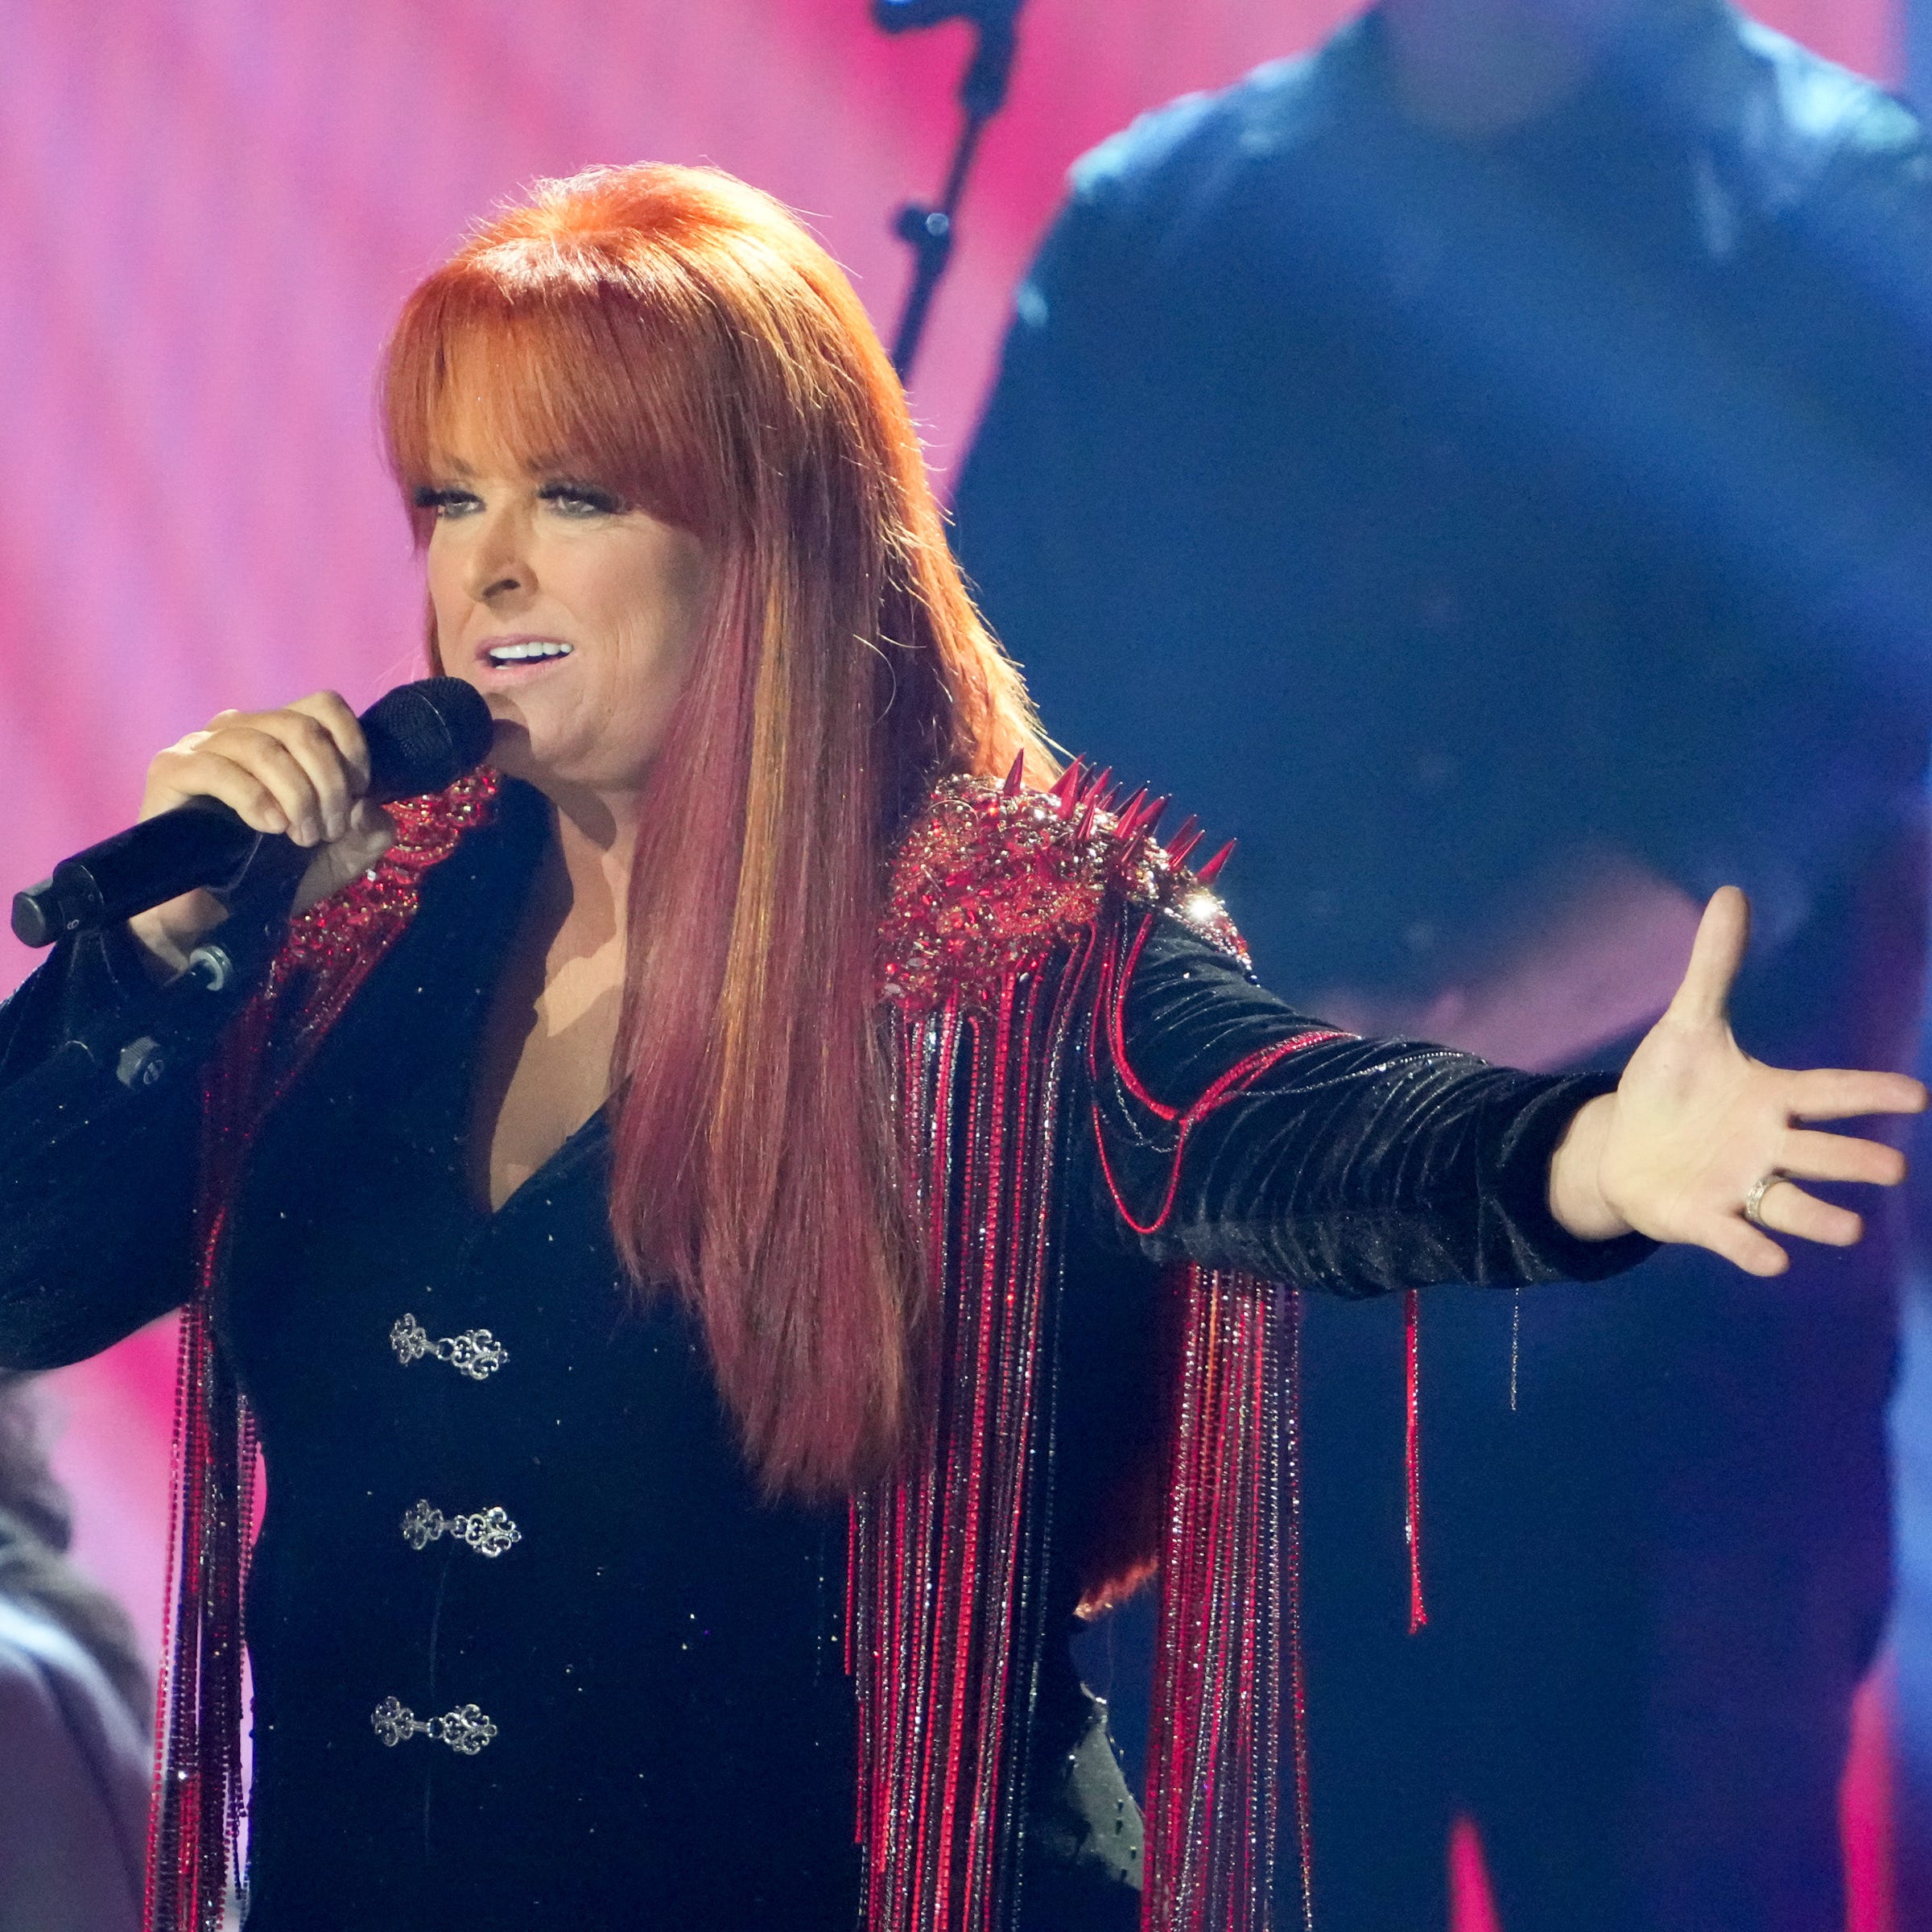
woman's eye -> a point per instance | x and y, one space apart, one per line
445 502
580 499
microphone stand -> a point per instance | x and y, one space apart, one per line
152 1036
178 1021
929 231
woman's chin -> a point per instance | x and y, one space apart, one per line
515 755
568 773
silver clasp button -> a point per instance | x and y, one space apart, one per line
489 1532
476 1353
464 1729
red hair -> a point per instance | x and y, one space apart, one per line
677 336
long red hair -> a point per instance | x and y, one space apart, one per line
677 336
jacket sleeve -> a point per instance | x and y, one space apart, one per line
97 1176
1228 1131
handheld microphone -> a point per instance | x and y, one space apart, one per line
421 737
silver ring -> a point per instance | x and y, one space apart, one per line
1754 1201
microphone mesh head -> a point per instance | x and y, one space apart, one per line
423 737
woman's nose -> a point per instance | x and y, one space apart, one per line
499 564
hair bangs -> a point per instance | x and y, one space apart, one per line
553 365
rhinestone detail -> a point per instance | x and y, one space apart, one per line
476 1353
489 1532
465 1729
992 879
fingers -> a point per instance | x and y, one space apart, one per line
1784 1209
1837 1156
274 762
1716 954
325 775
1841 1093
298 770
331 710
371 833
190 771
1787 1209
1737 1241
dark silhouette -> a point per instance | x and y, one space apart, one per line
1484 466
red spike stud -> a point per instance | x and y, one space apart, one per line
1207 873
1094 791
1130 816
1188 835
1067 788
1015 777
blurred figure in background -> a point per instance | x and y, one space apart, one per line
76 1711
1484 467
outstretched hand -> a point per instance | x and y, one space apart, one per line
1696 1124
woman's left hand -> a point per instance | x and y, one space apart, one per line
1696 1124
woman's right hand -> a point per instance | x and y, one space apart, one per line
302 770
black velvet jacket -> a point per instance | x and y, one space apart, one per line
497 1479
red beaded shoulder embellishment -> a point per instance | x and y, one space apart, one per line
992 877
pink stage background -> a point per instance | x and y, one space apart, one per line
212 210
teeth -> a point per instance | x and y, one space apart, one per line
517 653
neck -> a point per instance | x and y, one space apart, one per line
1473 69
595 837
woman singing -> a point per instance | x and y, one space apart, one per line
733 1221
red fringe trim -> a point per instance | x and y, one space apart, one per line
947 1565
1412 1455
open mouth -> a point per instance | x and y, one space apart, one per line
504 654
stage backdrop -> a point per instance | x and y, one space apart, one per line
212 209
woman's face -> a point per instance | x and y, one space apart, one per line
576 616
